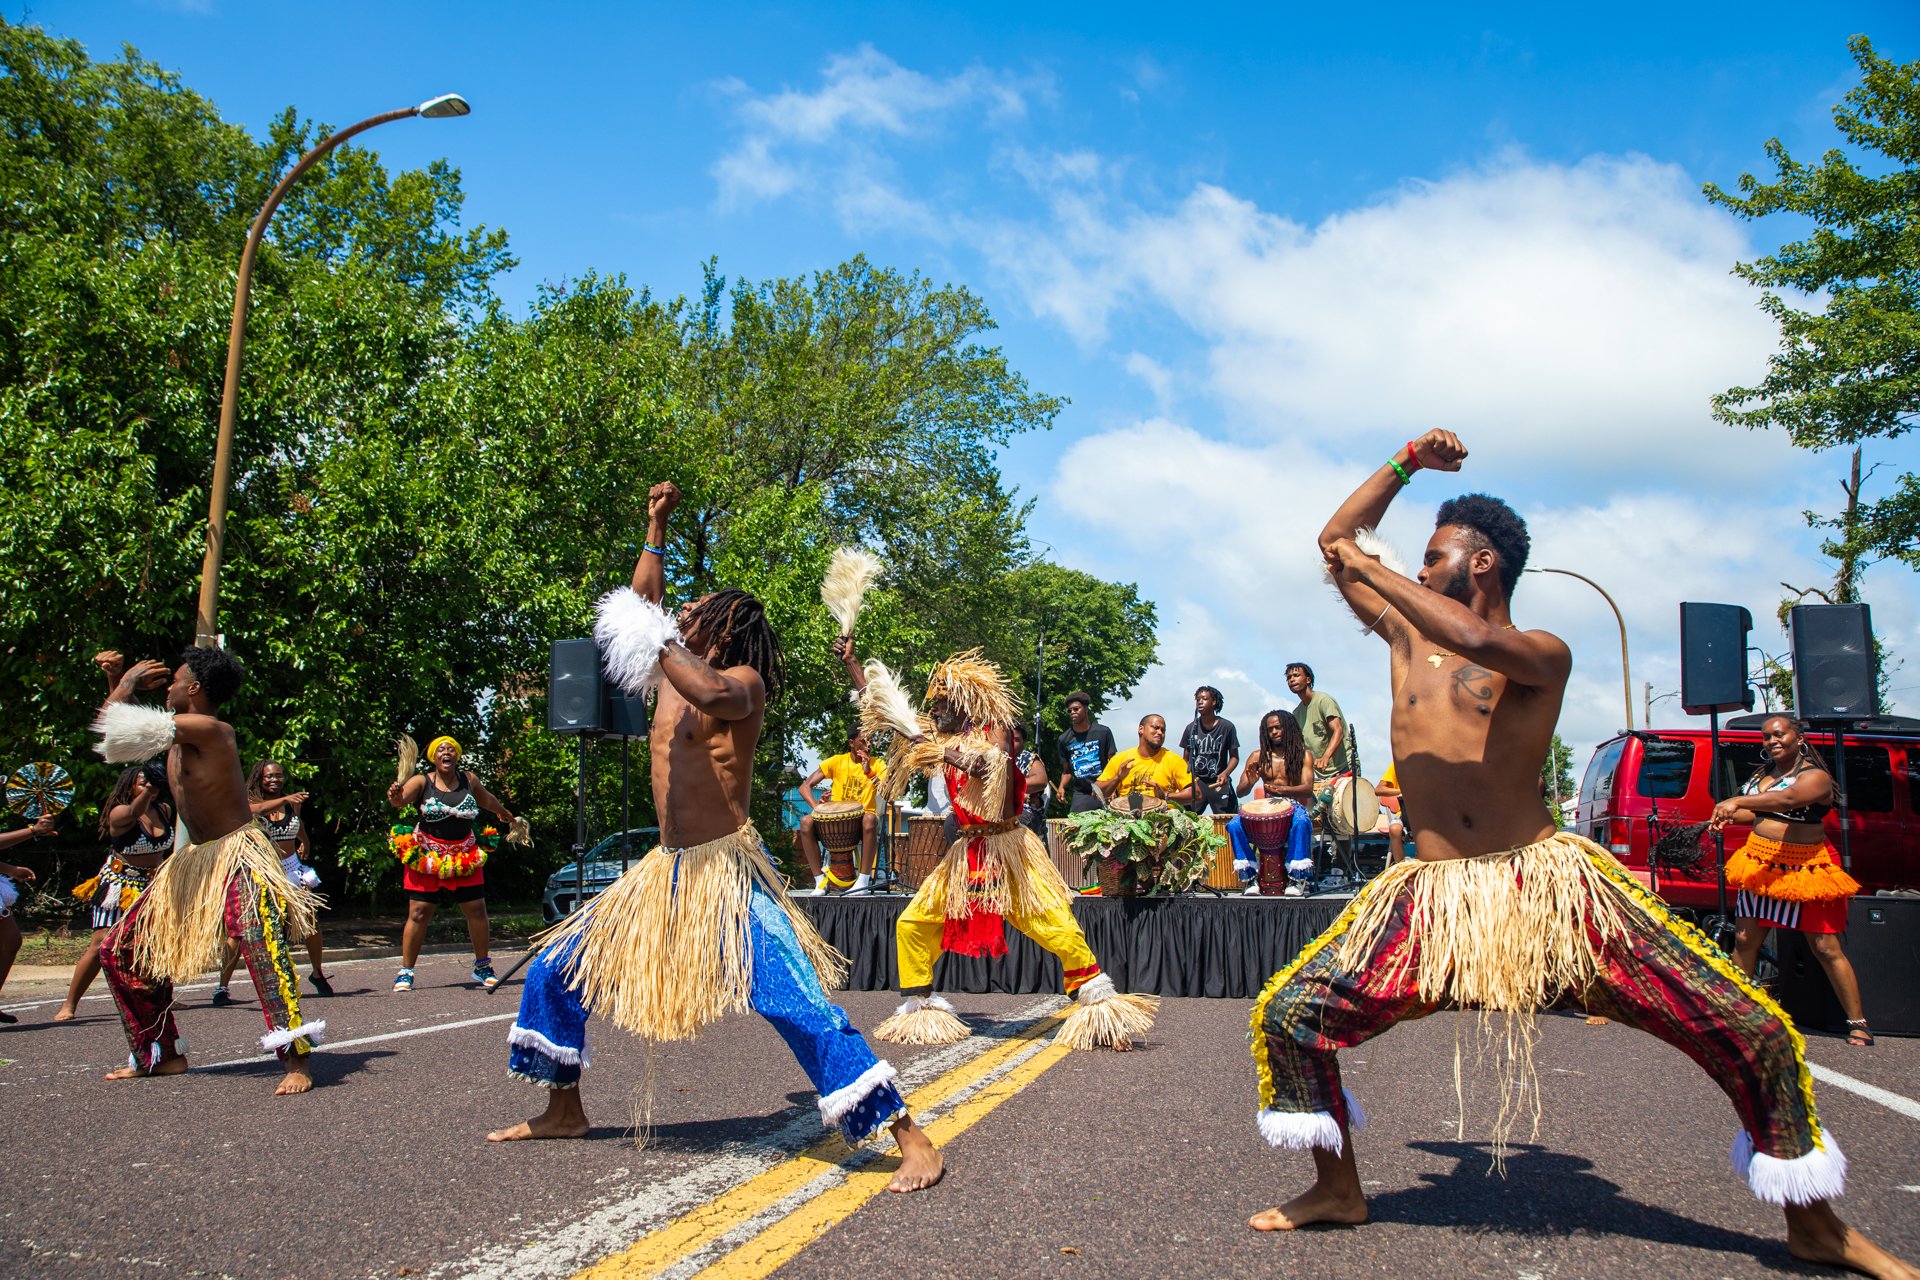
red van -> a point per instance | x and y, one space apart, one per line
1645 792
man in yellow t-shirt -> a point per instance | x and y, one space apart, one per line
1149 767
854 774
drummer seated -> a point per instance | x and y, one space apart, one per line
1148 769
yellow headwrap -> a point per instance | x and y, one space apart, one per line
433 748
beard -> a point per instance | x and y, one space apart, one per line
1459 586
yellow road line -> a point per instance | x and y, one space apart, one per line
779 1243
699 1228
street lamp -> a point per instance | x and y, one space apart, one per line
205 633
1626 674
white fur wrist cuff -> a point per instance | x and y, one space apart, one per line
631 632
130 733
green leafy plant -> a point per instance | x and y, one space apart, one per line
1181 844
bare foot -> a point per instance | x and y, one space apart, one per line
1816 1234
1317 1205
921 1164
65 1014
545 1125
165 1067
299 1079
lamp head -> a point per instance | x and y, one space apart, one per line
440 108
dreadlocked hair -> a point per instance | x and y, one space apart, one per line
743 634
1293 744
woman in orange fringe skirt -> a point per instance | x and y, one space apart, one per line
1786 872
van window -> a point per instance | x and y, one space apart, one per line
1665 767
1598 784
1869 779
1738 761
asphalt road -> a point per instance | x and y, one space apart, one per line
1142 1164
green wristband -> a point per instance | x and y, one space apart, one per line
1405 478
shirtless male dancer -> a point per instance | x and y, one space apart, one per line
701 926
1500 912
227 884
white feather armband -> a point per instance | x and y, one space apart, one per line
130 733
1371 543
631 631
885 705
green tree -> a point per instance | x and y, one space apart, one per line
1556 771
1848 368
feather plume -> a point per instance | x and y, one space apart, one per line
520 833
885 705
130 732
631 631
1370 542
851 571
409 758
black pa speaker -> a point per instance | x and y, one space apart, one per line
1713 658
1833 667
626 714
1883 942
576 692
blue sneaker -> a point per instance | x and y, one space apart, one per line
484 975
404 982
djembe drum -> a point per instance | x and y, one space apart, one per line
1221 875
1352 809
836 825
1268 823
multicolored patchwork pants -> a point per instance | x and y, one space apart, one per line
254 919
548 1042
1663 977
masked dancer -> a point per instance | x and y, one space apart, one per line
996 872
228 883
137 824
445 855
1787 874
702 926
279 812
1501 912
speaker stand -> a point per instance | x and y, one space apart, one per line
1723 924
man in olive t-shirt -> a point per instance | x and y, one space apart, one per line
1321 724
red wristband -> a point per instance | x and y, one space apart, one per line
1413 459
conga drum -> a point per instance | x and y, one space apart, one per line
1071 866
1268 823
1352 809
837 826
1222 875
926 841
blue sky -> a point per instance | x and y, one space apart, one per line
1257 248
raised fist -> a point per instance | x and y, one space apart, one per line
662 498
1439 451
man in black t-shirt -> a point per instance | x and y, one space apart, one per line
1085 749
1212 748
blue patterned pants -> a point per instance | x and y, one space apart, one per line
857 1091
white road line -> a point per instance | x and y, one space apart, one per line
329 1046
1871 1092
557 1249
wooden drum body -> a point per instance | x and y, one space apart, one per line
1268 823
836 825
921 852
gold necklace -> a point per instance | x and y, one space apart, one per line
1437 658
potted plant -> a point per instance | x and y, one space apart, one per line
1141 841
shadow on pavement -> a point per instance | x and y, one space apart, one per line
1550 1193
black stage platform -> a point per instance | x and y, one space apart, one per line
1193 945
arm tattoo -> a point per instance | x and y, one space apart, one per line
1475 682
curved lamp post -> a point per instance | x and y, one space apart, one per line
206 634
1626 673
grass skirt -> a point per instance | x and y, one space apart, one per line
181 931
666 949
1012 876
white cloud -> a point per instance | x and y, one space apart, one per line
793 135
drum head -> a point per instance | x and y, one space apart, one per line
1267 804
838 808
1353 808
